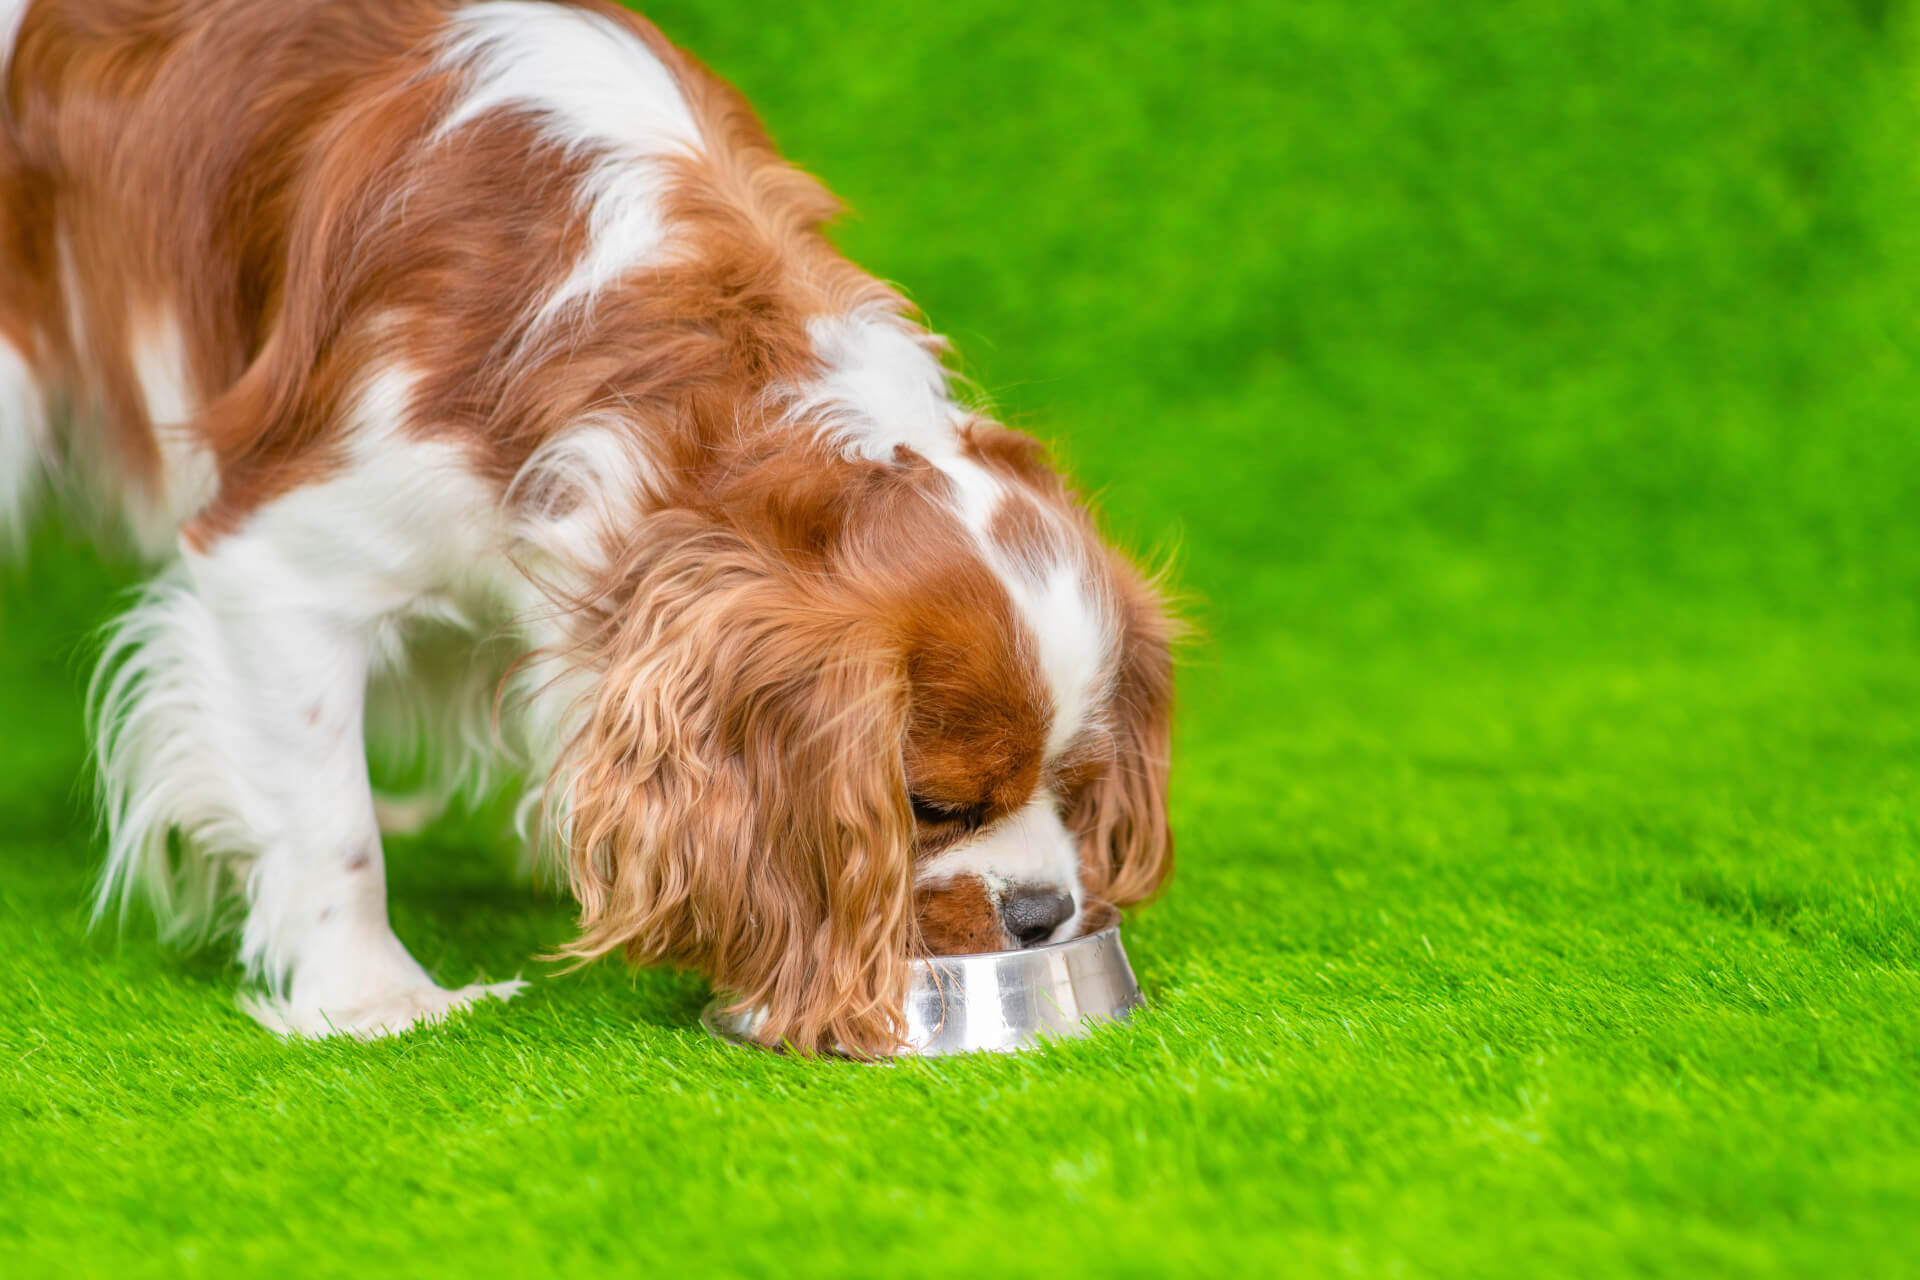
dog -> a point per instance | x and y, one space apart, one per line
478 375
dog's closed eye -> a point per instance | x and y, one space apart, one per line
932 812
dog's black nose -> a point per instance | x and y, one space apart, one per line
1032 912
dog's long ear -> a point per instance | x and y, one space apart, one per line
733 799
1120 816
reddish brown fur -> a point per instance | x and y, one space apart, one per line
241 164
958 920
1119 806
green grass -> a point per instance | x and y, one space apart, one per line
1531 390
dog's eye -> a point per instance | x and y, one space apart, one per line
937 813
931 812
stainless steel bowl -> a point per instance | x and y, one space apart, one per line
998 1001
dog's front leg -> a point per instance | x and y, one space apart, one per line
318 902
234 716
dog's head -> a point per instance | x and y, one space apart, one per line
848 712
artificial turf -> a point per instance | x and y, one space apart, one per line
1530 391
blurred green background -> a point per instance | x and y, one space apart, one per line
1529 390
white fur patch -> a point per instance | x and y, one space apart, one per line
160 365
189 474
884 386
11 11
596 87
163 715
1072 641
23 439
402 521
580 495
977 493
1070 631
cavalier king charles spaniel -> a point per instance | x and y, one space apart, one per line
478 376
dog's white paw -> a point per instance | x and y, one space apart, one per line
387 1015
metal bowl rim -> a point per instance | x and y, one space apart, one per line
721 1017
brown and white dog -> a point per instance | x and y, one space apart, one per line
395 329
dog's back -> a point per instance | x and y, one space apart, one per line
158 160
